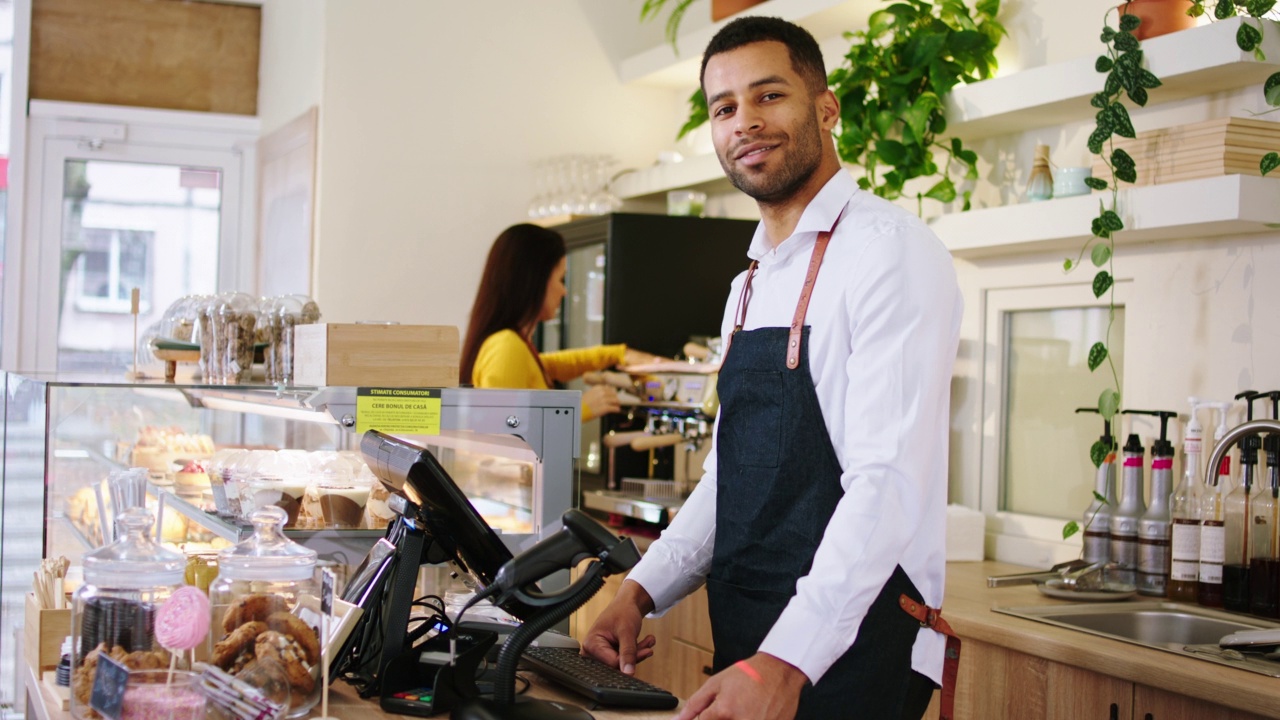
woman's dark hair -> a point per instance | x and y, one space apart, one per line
512 288
806 56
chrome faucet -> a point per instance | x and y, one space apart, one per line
1253 427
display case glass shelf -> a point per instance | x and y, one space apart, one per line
511 451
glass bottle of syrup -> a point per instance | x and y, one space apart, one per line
1184 568
1264 563
1212 550
1238 521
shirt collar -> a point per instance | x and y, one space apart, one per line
818 217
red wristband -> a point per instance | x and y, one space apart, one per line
749 671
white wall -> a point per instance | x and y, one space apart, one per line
291 60
430 117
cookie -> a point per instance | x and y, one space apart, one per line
275 647
291 625
226 651
250 608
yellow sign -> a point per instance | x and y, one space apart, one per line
398 411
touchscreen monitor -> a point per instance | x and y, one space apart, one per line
444 512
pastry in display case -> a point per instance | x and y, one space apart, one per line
212 456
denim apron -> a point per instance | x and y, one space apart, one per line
777 487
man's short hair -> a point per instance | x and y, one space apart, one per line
806 57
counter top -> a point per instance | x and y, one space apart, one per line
345 704
968 606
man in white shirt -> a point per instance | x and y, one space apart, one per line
819 523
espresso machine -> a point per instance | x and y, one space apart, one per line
671 407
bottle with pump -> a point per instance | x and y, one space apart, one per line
1212 550
1238 519
1097 517
1124 519
1184 511
1264 551
1153 526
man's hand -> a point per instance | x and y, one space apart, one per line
612 639
761 687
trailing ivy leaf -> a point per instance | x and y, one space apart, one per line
943 191
1148 79
1112 84
1071 528
968 157
1125 42
1101 284
956 146
1100 254
1258 8
1248 37
1125 168
1224 9
698 113
1109 403
1108 34
1098 452
1196 10
1270 162
891 151
968 201
1099 100
1103 64
1129 23
1111 221
1120 116
1097 138
1271 90
1097 356
1067 264
1097 495
1097 229
1139 96
1096 183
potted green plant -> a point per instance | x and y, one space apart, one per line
1122 65
891 87
720 9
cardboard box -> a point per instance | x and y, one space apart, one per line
42 635
333 354
1223 146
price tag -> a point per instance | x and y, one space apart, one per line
398 411
326 592
109 681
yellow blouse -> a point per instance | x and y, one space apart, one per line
505 361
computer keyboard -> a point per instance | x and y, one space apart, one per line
594 679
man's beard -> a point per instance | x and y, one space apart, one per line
781 183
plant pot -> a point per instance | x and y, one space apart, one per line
1159 17
721 9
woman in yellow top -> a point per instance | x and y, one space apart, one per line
523 285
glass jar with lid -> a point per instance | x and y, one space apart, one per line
234 326
262 597
114 611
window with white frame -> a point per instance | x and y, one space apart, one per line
106 264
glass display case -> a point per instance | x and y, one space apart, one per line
512 451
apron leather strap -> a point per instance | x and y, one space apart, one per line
802 306
932 619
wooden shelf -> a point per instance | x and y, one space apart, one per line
1190 62
700 172
662 66
1204 208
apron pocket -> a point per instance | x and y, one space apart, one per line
751 419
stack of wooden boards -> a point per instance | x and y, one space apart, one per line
1223 146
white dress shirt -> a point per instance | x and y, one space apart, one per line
884 324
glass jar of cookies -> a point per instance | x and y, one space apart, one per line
266 614
113 612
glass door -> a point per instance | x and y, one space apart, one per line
114 217
126 226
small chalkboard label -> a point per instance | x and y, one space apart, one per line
109 681
326 592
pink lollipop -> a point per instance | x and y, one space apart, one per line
183 620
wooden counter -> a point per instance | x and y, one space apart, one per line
345 704
1045 671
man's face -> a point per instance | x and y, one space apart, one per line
764 121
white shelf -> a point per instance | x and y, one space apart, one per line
662 66
1204 208
1189 63
700 172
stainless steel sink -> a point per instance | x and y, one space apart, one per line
1183 629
